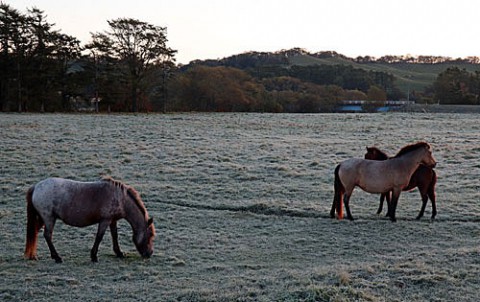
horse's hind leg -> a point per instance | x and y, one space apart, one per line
424 204
346 201
48 234
388 198
431 194
382 199
380 206
116 247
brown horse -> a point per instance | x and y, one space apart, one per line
424 178
378 176
82 204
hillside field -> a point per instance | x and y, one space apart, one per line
241 206
408 76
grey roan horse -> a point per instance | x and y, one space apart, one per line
82 204
372 176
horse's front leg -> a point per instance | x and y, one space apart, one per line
393 204
116 247
48 234
102 227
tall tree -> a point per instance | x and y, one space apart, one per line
9 18
32 54
138 46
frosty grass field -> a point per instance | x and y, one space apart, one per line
241 206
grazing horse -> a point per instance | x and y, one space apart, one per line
424 178
82 204
375 176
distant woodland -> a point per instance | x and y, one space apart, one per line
131 68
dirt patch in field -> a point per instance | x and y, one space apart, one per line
241 204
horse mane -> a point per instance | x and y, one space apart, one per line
378 151
129 190
412 147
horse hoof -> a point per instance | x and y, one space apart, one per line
58 260
33 257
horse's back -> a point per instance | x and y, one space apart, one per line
65 199
365 173
56 188
354 166
348 170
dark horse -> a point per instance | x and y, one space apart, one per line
82 204
424 178
391 175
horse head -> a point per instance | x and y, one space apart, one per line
144 239
373 153
144 230
428 159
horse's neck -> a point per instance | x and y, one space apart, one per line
134 215
410 161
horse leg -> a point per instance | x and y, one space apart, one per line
48 235
424 204
102 227
346 201
116 247
380 206
393 204
388 196
431 194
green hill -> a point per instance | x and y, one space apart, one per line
410 73
409 76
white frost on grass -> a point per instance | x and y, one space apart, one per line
241 204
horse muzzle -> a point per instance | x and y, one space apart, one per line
147 254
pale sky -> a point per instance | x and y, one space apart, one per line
216 29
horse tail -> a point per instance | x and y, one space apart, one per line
339 190
34 224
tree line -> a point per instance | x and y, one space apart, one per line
124 68
457 86
130 67
271 89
